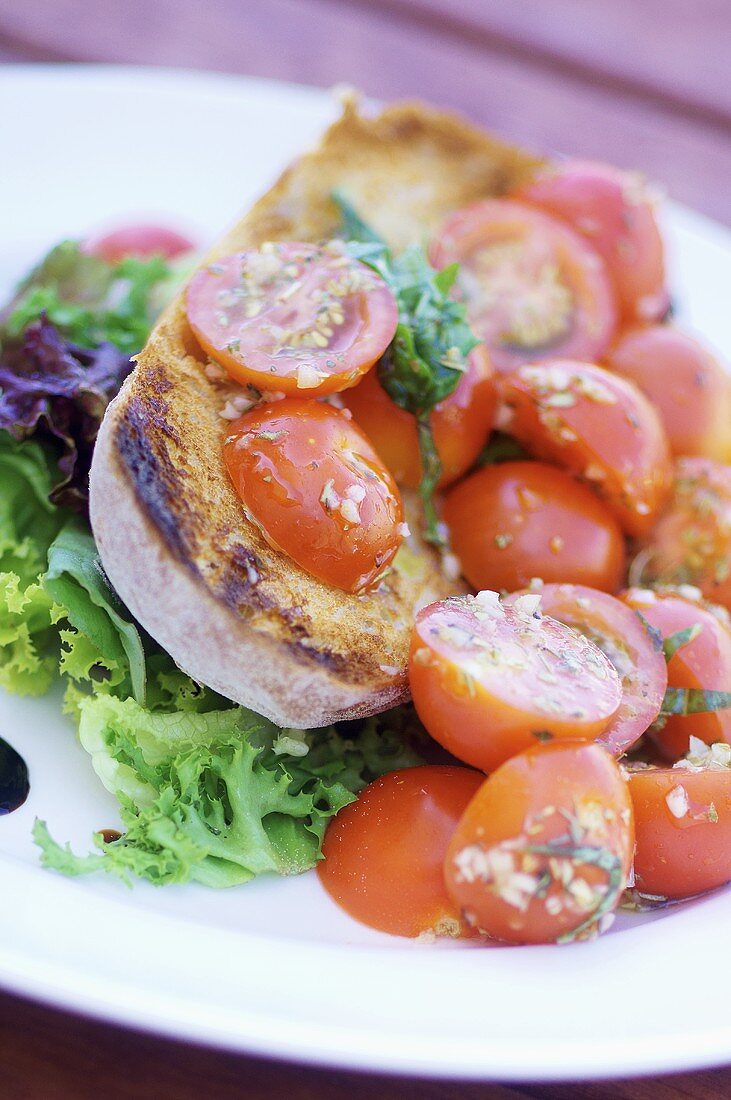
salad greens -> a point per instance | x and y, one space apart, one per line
218 795
428 354
89 301
208 791
56 391
29 644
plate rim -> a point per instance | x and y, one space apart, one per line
710 1048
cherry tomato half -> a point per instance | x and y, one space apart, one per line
691 543
461 423
311 482
616 213
534 289
292 318
686 384
625 640
514 521
544 849
683 826
489 680
384 854
704 662
141 241
597 426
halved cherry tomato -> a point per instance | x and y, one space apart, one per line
683 826
691 543
293 318
704 662
544 849
534 289
622 636
686 384
384 854
461 423
141 241
597 426
514 521
616 212
311 482
490 680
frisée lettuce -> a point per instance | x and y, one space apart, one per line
218 796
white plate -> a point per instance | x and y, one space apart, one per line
274 967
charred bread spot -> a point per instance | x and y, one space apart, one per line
144 453
325 658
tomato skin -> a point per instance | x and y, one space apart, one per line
679 857
597 426
514 521
686 384
691 542
460 424
704 662
384 854
493 870
615 212
534 289
490 681
625 640
292 318
312 483
141 241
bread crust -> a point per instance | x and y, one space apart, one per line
234 613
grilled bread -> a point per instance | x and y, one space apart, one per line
234 613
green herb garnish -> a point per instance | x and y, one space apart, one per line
428 354
89 301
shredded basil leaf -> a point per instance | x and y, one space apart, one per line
428 354
680 638
694 701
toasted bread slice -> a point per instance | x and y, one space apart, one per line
232 612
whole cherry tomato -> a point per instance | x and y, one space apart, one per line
686 384
141 241
616 213
702 662
384 854
691 542
544 849
599 427
683 824
514 521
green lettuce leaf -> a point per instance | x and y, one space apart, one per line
90 301
76 581
29 643
218 796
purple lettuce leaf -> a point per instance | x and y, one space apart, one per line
55 390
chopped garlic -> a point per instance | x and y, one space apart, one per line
308 378
677 802
488 603
356 493
349 511
528 605
701 756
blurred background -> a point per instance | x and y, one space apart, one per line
638 82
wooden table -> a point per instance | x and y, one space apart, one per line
642 83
